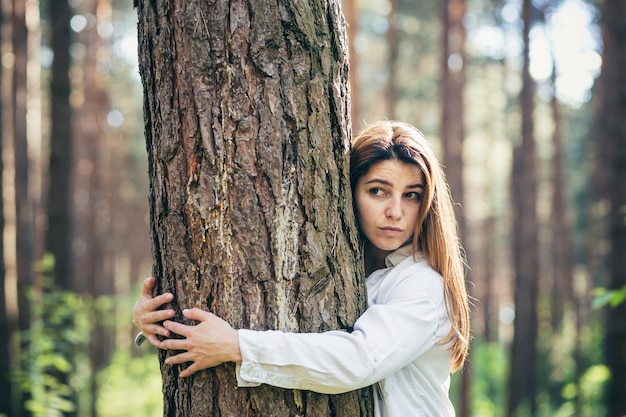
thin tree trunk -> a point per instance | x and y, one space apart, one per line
352 18
393 46
562 260
59 207
6 399
246 113
522 378
612 114
23 204
452 128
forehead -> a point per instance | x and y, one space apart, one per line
394 172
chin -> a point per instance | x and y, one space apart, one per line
389 247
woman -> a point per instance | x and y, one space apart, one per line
415 331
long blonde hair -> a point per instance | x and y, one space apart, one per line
436 230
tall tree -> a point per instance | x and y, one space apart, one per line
247 129
393 46
352 17
23 202
6 399
452 125
522 376
611 120
59 207
561 239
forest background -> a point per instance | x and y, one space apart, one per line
75 213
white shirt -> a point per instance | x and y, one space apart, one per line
397 341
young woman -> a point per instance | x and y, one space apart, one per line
415 331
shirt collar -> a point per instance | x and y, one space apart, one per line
399 255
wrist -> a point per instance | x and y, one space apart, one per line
236 355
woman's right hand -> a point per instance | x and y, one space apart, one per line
147 316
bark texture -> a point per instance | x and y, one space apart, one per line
247 130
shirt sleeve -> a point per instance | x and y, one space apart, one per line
385 338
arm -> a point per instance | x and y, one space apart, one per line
386 337
407 318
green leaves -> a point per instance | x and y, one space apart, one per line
603 297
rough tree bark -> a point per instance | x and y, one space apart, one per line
247 131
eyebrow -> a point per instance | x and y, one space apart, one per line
384 182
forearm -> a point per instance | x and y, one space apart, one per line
330 363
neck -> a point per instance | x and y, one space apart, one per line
374 258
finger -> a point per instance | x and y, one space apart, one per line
158 316
178 328
148 285
196 314
154 340
156 329
192 369
179 358
158 301
174 344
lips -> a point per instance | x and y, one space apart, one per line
391 230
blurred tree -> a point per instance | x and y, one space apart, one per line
452 128
393 46
561 233
95 181
247 129
6 399
23 202
351 12
58 237
523 374
59 201
611 120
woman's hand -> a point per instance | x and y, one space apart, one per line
147 316
209 343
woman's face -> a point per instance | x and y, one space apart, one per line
388 198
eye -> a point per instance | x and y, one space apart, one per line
375 191
413 195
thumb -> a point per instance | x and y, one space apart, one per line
147 286
196 314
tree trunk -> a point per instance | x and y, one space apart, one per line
561 247
612 113
23 203
522 378
352 17
59 233
393 46
6 399
452 128
246 114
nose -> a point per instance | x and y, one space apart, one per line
394 209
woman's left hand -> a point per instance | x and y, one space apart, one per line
209 343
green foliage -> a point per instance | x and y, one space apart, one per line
56 344
603 297
563 390
490 371
55 368
130 386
